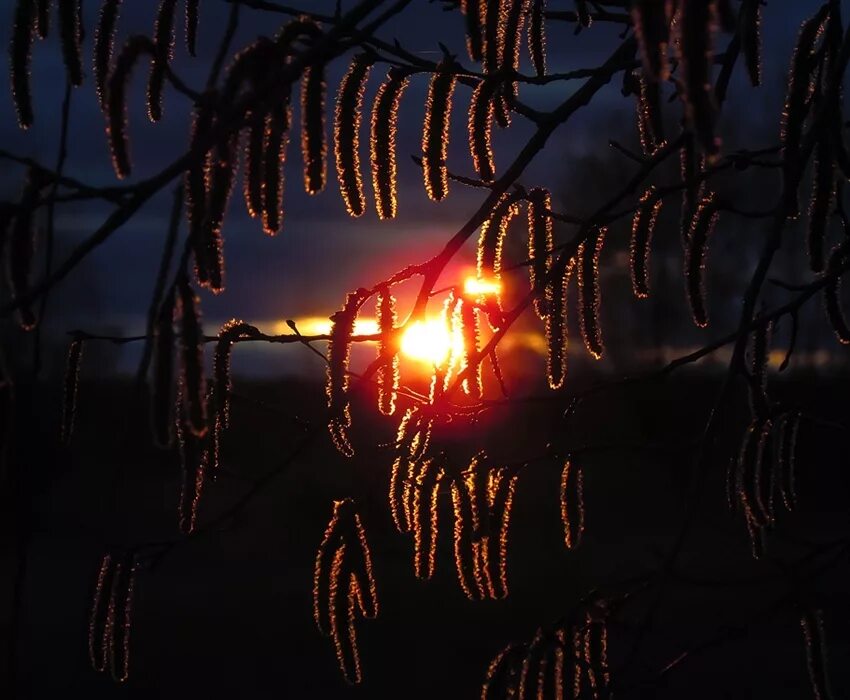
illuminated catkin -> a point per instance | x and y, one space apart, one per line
194 462
480 126
398 485
832 296
435 134
42 18
750 28
494 17
336 386
530 670
104 39
515 12
651 26
191 28
71 385
343 584
589 295
583 13
195 182
786 458
467 565
231 332
382 142
347 118
209 253
253 152
696 252
191 359
425 522
20 55
820 203
118 622
687 172
116 101
388 375
274 157
470 362
572 503
745 481
540 242
797 104
557 327
97 614
501 490
492 235
814 641
313 138
762 503
471 10
164 50
537 36
759 351
643 226
162 380
503 674
20 250
70 38
649 116
695 60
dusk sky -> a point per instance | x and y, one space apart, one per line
270 279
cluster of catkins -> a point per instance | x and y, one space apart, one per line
570 661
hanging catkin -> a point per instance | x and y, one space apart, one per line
425 490
572 503
104 39
313 138
42 17
253 162
814 640
435 135
382 142
163 53
557 326
70 37
20 55
832 297
643 226
750 24
702 227
651 24
696 24
537 36
786 455
539 245
480 126
336 387
589 294
71 385
471 10
388 376
503 674
194 462
347 118
162 380
192 17
116 101
823 190
649 117
191 355
274 158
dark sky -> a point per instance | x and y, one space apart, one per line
322 253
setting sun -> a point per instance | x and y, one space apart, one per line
427 341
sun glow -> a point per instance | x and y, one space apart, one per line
428 341
476 287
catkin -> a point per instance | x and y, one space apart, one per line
470 362
823 191
194 461
572 503
745 483
651 26
687 172
480 126
111 616
467 565
702 227
398 486
491 238
71 384
388 376
696 24
583 13
20 54
435 134
191 355
764 505
254 163
786 452
797 104
347 118
503 674
104 39
313 141
832 297
814 640
97 613
192 17
424 518
274 158
540 241
514 14
116 101
20 250
501 488
471 10
230 332
164 50
382 142
557 336
42 18
336 386
758 368
537 36
750 27
589 295
649 117
196 179
69 35
162 382
643 226
209 254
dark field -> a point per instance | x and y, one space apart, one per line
228 613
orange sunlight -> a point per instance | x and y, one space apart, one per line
476 287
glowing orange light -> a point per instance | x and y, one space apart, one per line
427 341
474 287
